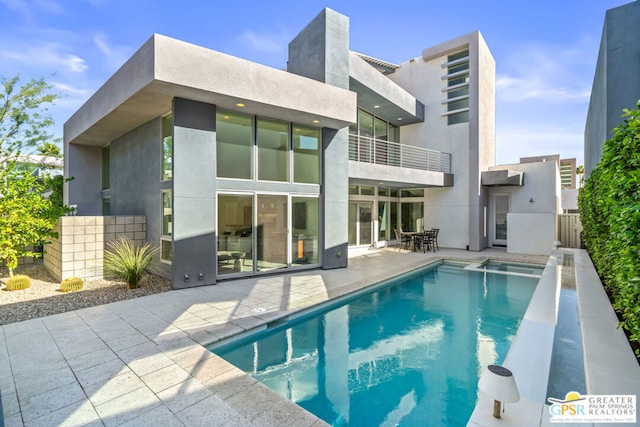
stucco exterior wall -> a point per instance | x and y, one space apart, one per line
459 210
135 177
537 201
616 83
84 164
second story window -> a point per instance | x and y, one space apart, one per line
167 147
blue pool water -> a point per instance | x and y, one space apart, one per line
406 354
510 267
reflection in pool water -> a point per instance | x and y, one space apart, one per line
408 354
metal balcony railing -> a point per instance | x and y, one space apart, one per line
369 150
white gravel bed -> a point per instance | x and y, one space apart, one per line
44 297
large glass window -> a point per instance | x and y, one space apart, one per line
167 227
459 70
365 124
458 105
235 233
463 91
273 150
167 147
394 133
306 155
462 117
106 167
412 216
272 232
305 223
234 137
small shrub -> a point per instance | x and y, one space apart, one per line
127 262
18 282
71 284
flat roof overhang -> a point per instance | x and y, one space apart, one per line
396 177
504 177
393 103
164 68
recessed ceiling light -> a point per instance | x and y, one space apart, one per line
316 121
376 106
226 117
399 118
239 104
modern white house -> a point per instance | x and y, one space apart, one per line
243 169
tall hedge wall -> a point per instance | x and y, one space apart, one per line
610 212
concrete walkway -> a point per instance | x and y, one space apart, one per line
141 362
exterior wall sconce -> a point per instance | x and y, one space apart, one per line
498 382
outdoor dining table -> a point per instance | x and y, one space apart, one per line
414 237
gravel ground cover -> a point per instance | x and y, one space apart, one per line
44 297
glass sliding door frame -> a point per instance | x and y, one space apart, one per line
245 249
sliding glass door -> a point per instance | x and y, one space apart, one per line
263 232
272 232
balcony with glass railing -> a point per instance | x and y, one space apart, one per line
376 151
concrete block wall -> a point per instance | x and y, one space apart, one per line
79 249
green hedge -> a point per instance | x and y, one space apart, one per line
610 212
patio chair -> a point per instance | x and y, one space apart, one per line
427 239
403 240
435 238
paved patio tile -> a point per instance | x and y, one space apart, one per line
144 358
127 341
44 403
159 416
166 377
127 407
229 383
208 369
212 412
31 386
80 413
10 404
101 373
112 388
13 421
88 360
191 356
184 394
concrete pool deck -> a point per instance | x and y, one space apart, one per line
142 362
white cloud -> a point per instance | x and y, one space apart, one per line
548 73
48 55
50 6
29 9
263 42
115 55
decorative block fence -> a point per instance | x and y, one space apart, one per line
79 249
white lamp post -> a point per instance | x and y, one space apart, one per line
499 383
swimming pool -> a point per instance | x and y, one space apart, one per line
408 353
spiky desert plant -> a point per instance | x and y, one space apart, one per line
127 262
18 282
71 284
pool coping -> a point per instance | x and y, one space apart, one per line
610 365
142 360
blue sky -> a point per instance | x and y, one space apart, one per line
545 51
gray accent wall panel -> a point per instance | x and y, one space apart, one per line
616 83
321 50
84 164
136 172
335 199
194 203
